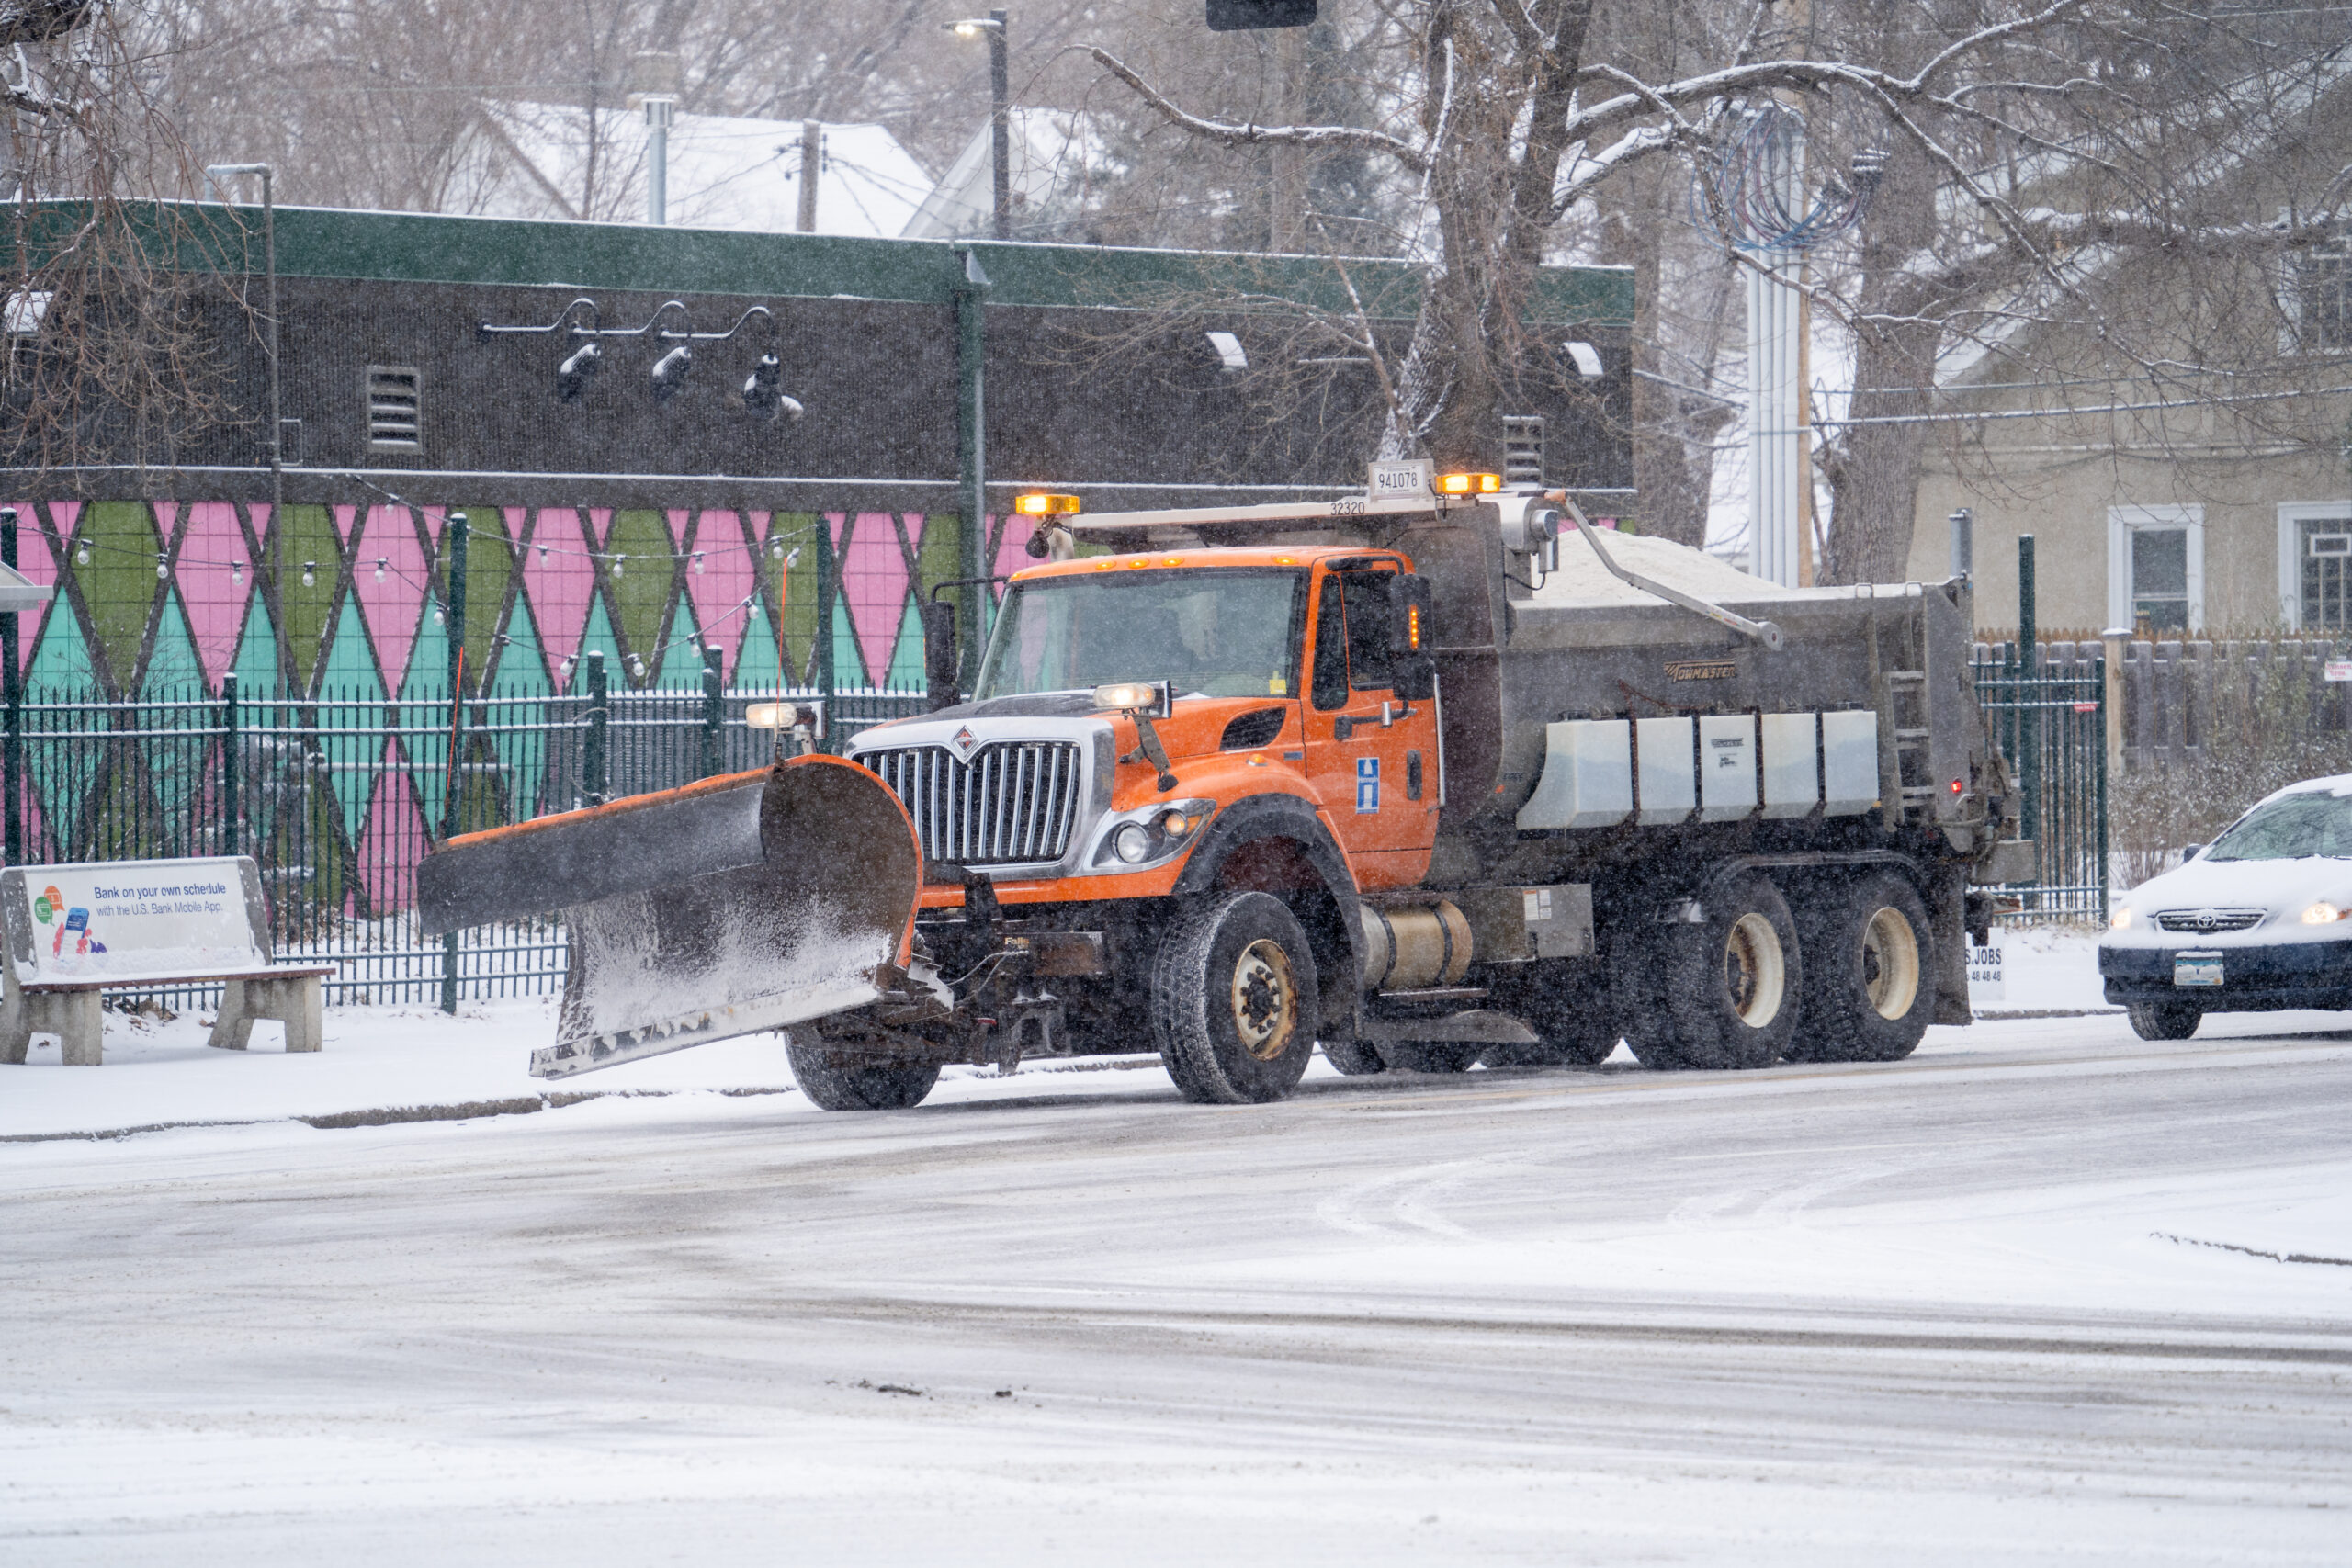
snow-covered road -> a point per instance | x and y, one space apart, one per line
2007 1302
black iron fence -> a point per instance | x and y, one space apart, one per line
2048 717
338 796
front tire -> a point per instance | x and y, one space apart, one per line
1233 1000
879 1086
1869 962
2164 1021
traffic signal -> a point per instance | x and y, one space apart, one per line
1236 15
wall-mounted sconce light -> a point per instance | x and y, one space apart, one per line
763 391
571 376
669 372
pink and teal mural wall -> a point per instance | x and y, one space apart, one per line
164 597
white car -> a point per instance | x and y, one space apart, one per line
2259 920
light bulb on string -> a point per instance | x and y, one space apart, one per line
698 563
82 555
236 574
381 563
439 616
616 564
543 555
310 574
162 567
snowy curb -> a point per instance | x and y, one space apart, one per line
394 1115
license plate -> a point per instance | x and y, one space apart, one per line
2197 969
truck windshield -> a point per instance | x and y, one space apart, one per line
2289 829
1221 633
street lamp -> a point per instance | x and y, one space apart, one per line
219 175
992 27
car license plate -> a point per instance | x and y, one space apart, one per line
2197 969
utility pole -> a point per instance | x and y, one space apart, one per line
812 159
658 83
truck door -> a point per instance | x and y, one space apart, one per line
1379 781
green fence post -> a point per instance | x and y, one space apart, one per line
828 587
12 696
456 534
2105 879
714 712
2028 710
600 714
228 808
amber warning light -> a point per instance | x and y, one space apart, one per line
1469 484
1042 504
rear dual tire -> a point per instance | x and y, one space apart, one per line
1868 985
1719 992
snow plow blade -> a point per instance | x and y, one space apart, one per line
730 906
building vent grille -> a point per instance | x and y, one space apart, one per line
1522 449
395 409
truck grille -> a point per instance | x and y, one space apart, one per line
1015 802
2208 919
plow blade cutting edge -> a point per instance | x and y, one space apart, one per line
730 906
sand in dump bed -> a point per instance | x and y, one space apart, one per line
1582 580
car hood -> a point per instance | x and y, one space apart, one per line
2283 887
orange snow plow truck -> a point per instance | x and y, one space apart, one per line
1424 778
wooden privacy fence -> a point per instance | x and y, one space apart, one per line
2192 700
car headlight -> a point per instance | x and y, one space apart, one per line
1132 843
2324 912
2121 919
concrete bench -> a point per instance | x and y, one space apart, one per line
71 933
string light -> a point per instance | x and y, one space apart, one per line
81 554
237 574
698 563
379 568
310 574
543 555
616 564
162 567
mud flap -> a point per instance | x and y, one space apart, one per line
733 907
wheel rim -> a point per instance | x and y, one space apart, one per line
1754 972
1265 999
1890 962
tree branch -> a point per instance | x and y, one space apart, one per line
1412 157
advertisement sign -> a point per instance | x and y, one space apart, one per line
1985 983
126 919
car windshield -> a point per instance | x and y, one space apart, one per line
2290 827
1223 633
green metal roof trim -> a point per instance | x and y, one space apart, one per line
410 247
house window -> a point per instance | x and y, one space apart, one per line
2324 296
2315 566
2157 569
395 409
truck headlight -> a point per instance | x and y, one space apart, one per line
1132 843
2322 913
2121 919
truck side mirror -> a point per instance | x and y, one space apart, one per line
1409 615
1416 677
939 660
